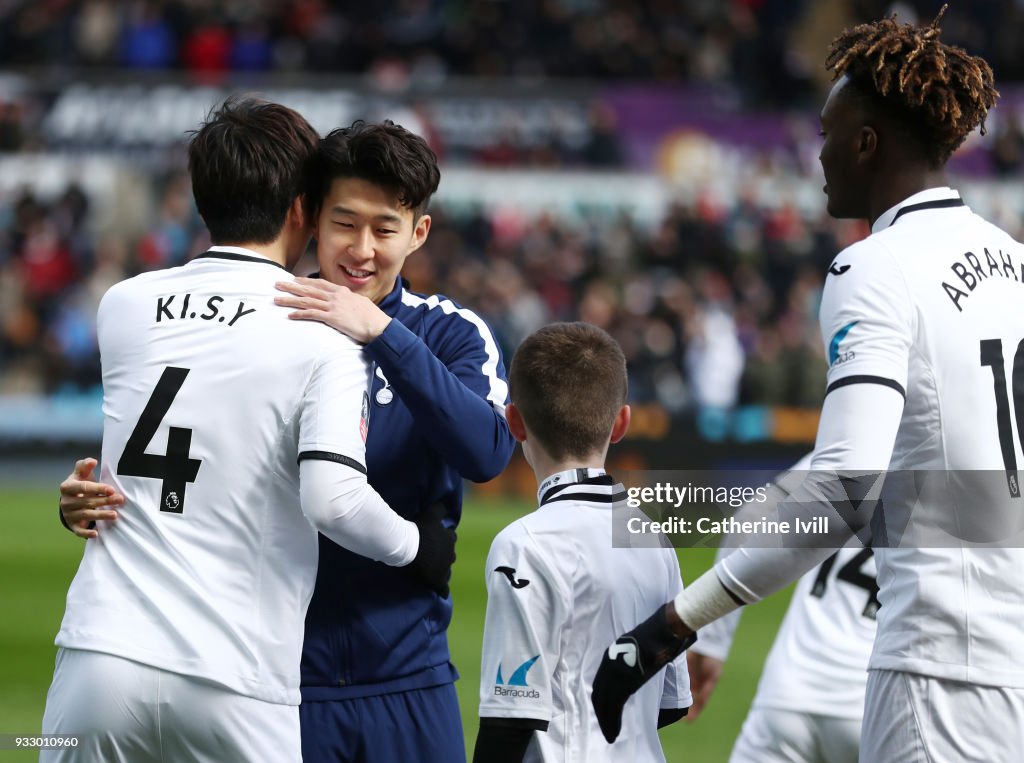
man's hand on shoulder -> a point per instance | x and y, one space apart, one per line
317 299
635 658
83 501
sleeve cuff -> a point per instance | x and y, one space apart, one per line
515 723
668 716
392 343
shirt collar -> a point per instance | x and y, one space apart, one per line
943 193
559 480
391 302
238 250
238 253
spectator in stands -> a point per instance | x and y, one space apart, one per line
1008 144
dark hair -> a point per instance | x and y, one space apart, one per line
937 91
569 382
384 154
249 161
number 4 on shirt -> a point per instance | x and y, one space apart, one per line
175 469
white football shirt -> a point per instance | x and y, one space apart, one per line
211 394
557 594
819 659
930 305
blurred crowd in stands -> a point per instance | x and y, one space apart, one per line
714 306
422 40
766 48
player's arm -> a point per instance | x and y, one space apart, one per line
340 503
526 611
751 573
457 403
83 501
334 493
706 659
867 323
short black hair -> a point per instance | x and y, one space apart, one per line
249 160
384 154
938 92
569 382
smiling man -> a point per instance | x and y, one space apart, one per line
377 684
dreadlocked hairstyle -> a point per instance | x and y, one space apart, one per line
937 91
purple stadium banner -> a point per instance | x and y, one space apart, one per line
647 116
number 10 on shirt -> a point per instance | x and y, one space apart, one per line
992 356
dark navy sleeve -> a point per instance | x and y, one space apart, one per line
457 405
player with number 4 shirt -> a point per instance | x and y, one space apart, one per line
233 438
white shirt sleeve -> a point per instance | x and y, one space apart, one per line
527 608
340 503
675 693
716 637
868 325
846 437
335 408
867 318
334 493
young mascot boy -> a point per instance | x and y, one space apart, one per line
557 589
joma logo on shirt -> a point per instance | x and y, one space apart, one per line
510 573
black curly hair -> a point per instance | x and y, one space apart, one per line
937 91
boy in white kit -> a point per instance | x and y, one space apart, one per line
557 589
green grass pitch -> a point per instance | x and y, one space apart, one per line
38 558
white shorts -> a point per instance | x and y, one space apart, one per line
909 718
786 736
124 711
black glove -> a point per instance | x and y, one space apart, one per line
436 554
629 663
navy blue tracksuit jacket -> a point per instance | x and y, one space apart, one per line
373 629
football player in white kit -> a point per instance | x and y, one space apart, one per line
557 588
810 699
234 434
924 330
